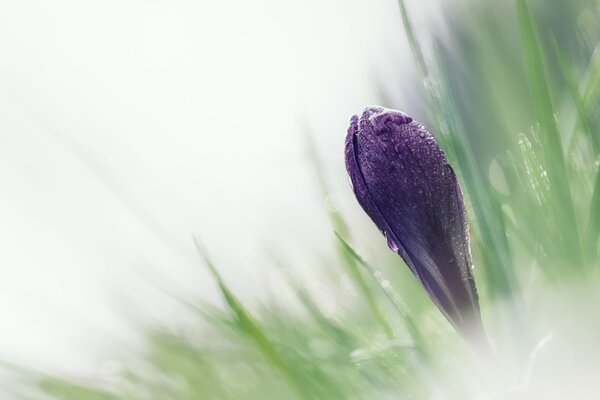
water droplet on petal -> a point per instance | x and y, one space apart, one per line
392 243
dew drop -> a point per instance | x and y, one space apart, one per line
392 243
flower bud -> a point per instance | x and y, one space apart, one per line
403 181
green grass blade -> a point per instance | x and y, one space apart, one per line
359 280
364 288
334 217
253 330
177 357
342 335
390 293
562 202
489 219
593 227
583 120
591 87
412 40
68 391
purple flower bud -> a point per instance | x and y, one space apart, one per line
403 181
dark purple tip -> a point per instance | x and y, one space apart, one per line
403 181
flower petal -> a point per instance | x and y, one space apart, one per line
403 181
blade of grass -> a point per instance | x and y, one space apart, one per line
315 312
593 222
592 84
358 278
68 391
177 357
423 366
486 208
412 40
389 292
334 217
563 204
252 328
583 120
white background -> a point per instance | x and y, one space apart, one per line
127 126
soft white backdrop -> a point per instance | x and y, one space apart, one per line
127 126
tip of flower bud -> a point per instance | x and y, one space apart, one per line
382 115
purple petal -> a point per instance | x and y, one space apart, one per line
403 181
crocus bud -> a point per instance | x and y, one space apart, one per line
403 181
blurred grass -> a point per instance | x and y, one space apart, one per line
513 92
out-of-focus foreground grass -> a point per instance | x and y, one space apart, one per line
512 90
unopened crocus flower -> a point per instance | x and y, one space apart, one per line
403 181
